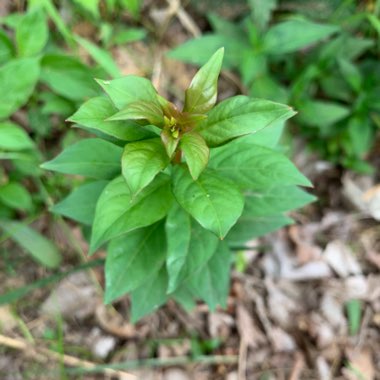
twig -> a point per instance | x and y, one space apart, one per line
162 363
242 365
72 361
298 367
184 18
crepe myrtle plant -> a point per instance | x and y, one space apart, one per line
172 193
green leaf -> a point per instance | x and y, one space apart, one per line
80 204
141 162
268 137
203 245
13 137
250 227
141 110
100 56
201 95
133 6
239 116
197 51
94 114
149 296
178 234
32 33
15 196
375 22
129 89
6 48
17 81
91 6
212 282
133 259
322 114
276 200
196 153
31 241
117 212
354 312
94 158
68 77
293 35
128 35
261 11
255 167
213 201
351 74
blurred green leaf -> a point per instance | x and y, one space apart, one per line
101 56
290 36
15 196
32 33
13 137
18 79
354 313
40 248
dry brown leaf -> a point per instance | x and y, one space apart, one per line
112 322
361 366
220 324
248 330
341 259
332 310
7 320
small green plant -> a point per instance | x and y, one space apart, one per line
279 56
172 192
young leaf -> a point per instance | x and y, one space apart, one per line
80 204
93 158
178 235
15 196
250 227
133 259
101 56
141 110
94 114
13 137
31 241
201 95
255 167
141 162
212 282
170 142
213 201
17 81
32 33
117 212
150 296
129 89
293 35
239 116
196 153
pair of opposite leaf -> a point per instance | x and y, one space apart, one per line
143 160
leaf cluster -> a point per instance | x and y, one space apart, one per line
323 64
172 191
